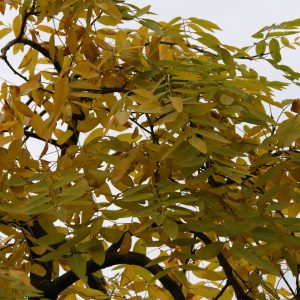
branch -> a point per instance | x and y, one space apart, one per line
16 40
21 40
36 231
35 136
42 50
96 283
288 285
239 291
4 58
151 125
222 290
55 287
201 50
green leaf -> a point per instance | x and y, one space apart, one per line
275 50
260 48
227 58
171 228
259 262
205 24
97 252
226 99
78 265
209 251
199 144
142 11
151 24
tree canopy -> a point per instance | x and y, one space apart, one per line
143 159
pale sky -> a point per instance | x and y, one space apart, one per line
239 20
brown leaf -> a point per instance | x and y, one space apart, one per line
296 106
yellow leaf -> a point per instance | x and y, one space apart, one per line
72 41
158 293
62 136
51 46
38 126
177 102
209 251
37 269
199 144
23 108
171 228
89 293
7 125
128 275
71 297
226 99
67 4
46 29
181 75
17 25
60 94
111 10
86 70
4 32
26 60
206 292
87 124
97 133
78 265
113 80
4 90
97 253
122 116
102 44
28 87
126 244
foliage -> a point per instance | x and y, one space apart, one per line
126 135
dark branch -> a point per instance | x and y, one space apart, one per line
227 284
53 142
96 283
288 285
239 291
4 58
54 288
36 231
151 125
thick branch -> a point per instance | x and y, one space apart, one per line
54 288
42 50
96 283
36 231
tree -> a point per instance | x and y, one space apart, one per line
160 155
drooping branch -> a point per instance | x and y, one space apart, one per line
20 39
32 44
112 258
16 40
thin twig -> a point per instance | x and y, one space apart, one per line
35 136
222 290
288 285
